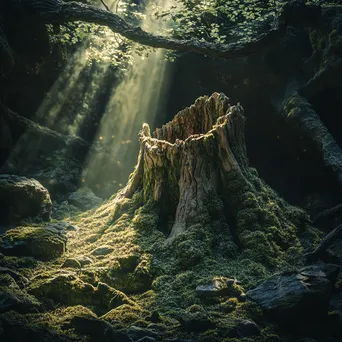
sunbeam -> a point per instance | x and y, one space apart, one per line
136 100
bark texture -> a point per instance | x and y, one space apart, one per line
197 165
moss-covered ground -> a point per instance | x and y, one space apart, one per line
117 266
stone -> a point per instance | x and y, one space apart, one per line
248 328
23 198
137 333
20 280
178 340
98 330
196 322
64 226
84 199
219 287
102 250
336 305
295 297
43 243
71 263
129 262
13 298
17 300
64 288
64 210
147 339
84 260
69 289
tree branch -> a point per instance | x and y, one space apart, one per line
74 11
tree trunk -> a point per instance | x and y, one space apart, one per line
197 165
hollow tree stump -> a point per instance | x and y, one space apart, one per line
197 164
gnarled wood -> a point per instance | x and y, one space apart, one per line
197 164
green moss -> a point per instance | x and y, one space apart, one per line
39 242
126 314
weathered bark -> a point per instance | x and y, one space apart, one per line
177 167
197 164
298 111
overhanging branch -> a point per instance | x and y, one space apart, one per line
74 11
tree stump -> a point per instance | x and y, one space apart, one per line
197 165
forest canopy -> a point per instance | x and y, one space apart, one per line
215 28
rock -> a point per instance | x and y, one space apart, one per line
296 297
128 263
71 263
18 330
64 226
18 301
155 317
98 330
336 304
1 256
102 250
178 340
196 322
39 242
137 333
84 199
147 339
68 289
18 278
330 271
13 298
124 314
65 289
248 328
64 210
219 287
84 260
23 198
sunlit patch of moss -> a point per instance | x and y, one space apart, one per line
38 242
261 235
126 314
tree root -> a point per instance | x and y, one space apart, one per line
325 244
298 111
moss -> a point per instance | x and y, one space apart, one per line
126 314
68 289
39 242
146 218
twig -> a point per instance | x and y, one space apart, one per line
105 6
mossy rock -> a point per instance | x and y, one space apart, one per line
14 298
71 263
39 242
23 198
84 199
68 289
126 314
